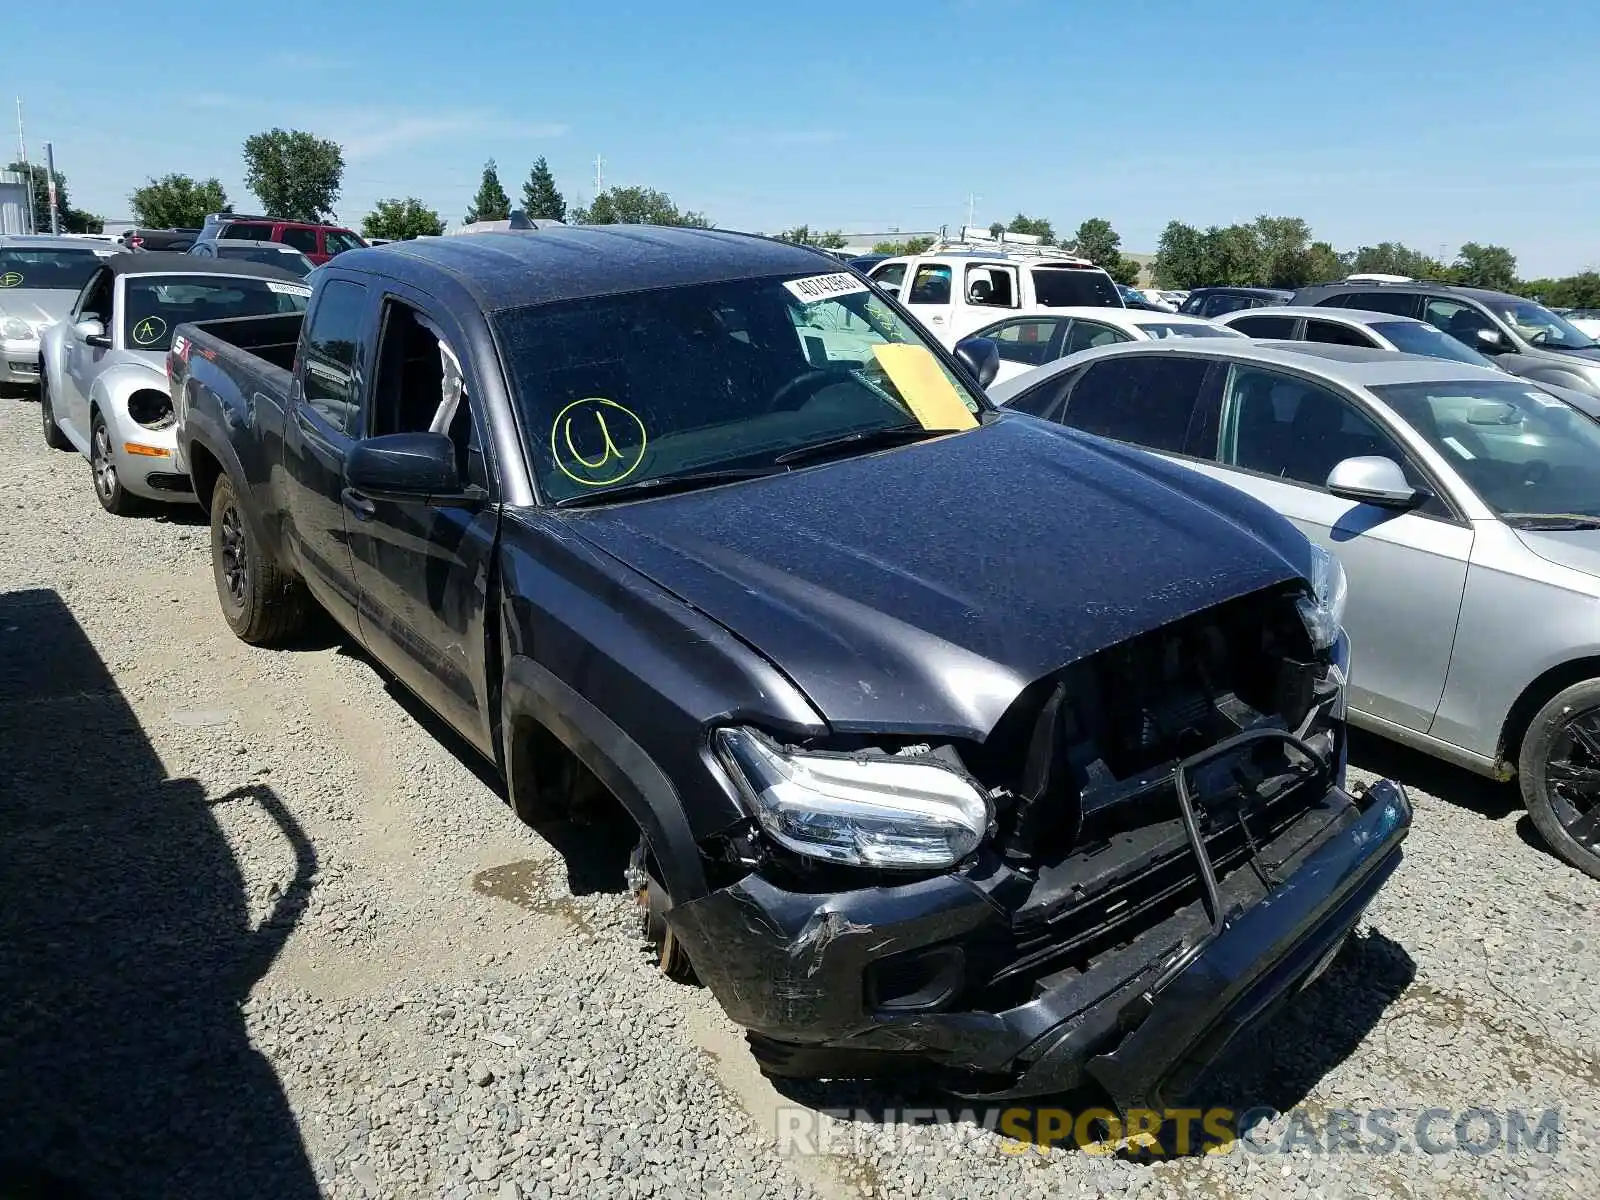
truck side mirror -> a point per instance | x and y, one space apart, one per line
408 467
981 356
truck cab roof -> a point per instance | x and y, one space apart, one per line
517 268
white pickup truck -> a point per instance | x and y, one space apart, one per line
955 292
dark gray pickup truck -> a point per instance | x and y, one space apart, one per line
949 737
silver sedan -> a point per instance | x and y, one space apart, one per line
40 276
1464 505
104 386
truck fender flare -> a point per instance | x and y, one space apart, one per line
530 691
196 432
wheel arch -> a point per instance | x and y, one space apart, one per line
1534 697
536 702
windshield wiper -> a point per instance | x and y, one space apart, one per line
865 439
662 484
1550 521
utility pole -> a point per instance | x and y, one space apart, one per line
50 175
22 144
972 207
599 175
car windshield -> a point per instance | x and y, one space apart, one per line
1523 450
616 391
338 241
1539 325
1060 287
1418 337
49 270
287 260
1173 329
153 306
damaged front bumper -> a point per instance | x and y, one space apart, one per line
1135 979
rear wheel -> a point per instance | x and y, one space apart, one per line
651 895
53 437
261 602
1560 774
108 489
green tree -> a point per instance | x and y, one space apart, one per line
1233 256
637 206
1180 256
1037 227
1573 291
1492 267
1392 258
1285 251
915 245
1100 244
491 203
399 220
72 220
1324 263
296 175
178 202
802 235
997 229
540 199
832 240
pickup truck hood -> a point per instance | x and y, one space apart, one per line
920 589
39 307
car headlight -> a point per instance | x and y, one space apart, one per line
870 812
1323 610
16 327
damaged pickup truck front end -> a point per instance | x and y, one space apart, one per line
1151 849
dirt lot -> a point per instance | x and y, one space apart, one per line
266 931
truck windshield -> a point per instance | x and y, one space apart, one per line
621 390
1061 287
46 270
155 305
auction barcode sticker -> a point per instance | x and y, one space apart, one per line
824 287
288 289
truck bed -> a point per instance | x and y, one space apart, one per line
270 339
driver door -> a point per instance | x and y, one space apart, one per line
1280 436
81 361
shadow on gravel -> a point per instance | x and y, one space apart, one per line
1452 784
1268 1069
126 947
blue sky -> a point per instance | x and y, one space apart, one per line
1431 124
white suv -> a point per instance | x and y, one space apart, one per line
955 292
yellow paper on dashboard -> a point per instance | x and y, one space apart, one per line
924 386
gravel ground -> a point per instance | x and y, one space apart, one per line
265 932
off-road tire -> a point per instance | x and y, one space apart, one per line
1559 770
262 603
651 895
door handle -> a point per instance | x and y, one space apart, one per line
363 508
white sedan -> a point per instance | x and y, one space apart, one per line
1030 341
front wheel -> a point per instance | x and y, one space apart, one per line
1560 773
262 603
108 489
53 437
653 901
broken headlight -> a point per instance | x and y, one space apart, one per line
1323 610
895 812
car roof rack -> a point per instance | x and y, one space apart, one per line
1004 250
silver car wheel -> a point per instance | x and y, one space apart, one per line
105 471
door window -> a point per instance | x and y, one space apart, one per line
890 276
1147 400
1085 335
992 287
1400 303
1287 427
303 240
1461 321
1216 305
930 285
255 232
1026 342
1335 334
420 388
1265 327
334 353
96 303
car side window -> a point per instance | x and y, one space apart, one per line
1215 306
1298 431
930 285
1085 335
303 240
991 286
889 276
1148 400
420 387
97 297
1461 321
1044 399
1265 327
253 233
334 352
1025 341
1402 304
1335 334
